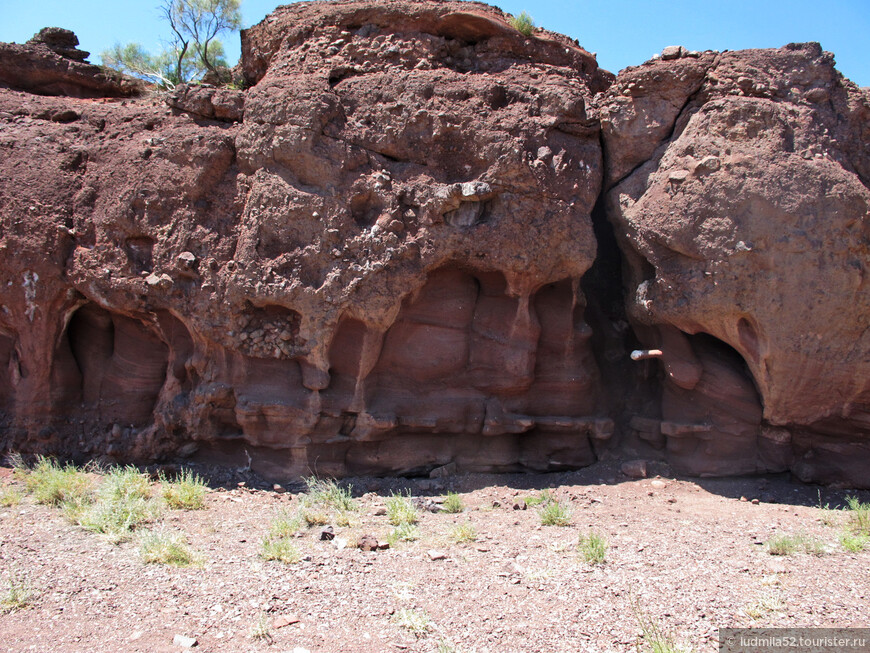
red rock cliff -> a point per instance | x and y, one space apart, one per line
396 251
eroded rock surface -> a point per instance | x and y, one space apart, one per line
51 64
368 262
749 222
376 259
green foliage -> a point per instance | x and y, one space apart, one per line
260 630
16 594
414 621
120 504
401 510
53 484
462 533
783 545
162 547
655 638
194 49
329 495
196 24
282 549
285 525
543 497
186 492
523 23
858 520
854 543
10 496
453 503
593 548
403 533
555 514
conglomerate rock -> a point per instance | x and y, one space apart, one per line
376 259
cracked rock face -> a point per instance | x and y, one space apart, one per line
381 257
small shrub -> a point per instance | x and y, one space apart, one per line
764 606
120 504
329 495
344 519
555 514
282 549
401 510
854 543
314 517
10 497
523 23
186 492
52 484
285 525
260 630
858 519
593 548
161 547
16 594
403 533
122 484
656 638
414 621
783 545
453 503
114 519
542 498
462 533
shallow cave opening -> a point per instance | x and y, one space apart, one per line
121 363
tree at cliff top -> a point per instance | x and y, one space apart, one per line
193 51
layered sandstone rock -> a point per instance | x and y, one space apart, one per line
376 259
744 216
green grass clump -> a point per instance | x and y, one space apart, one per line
16 594
10 497
854 543
656 638
462 533
260 630
764 606
329 495
401 510
783 545
453 503
403 533
186 492
282 549
285 525
414 621
555 514
53 484
593 548
314 516
162 547
523 23
539 499
120 504
858 517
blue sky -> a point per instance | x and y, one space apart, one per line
622 32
